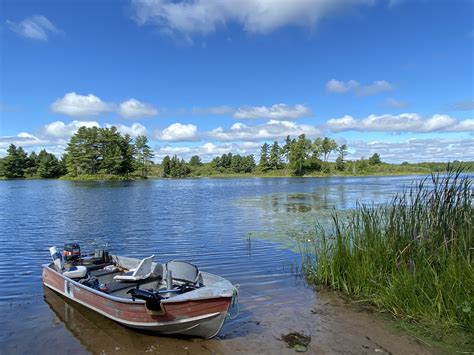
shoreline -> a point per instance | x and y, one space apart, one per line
231 176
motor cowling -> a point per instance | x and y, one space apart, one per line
152 299
72 251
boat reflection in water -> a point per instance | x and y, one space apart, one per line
98 334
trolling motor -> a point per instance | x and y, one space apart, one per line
152 299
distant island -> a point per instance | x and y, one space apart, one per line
104 154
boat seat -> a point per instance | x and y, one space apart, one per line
75 272
183 271
141 272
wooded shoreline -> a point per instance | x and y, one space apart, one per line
104 154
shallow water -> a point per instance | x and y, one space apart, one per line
231 227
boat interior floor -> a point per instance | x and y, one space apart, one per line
120 288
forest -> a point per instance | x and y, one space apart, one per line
104 153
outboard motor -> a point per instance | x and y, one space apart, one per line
57 258
72 251
152 299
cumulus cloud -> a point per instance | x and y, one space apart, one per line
275 112
271 130
415 150
59 129
208 150
135 109
201 17
405 122
134 130
22 139
341 87
73 104
178 132
36 27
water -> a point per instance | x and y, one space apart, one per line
232 227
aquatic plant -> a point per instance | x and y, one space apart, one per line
412 256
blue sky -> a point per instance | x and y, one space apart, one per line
208 76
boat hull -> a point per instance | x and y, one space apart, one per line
201 318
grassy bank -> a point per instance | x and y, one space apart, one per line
412 257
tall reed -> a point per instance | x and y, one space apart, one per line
412 257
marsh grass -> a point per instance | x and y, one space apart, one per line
412 257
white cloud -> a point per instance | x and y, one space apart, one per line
178 132
73 104
208 150
135 109
201 17
271 130
22 139
405 122
59 129
415 150
394 103
275 112
36 27
340 87
134 130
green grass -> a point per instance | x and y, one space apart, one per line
412 257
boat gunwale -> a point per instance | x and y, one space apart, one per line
127 300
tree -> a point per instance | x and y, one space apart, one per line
195 161
274 161
264 152
144 154
48 165
166 166
287 147
298 153
82 152
340 162
32 164
15 163
375 159
328 145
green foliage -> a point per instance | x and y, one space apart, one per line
274 161
229 163
375 159
195 161
263 162
299 152
15 164
174 167
412 257
144 155
101 150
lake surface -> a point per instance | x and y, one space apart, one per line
232 227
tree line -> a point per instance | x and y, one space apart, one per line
18 164
90 151
301 155
95 152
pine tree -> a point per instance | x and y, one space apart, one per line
275 157
263 163
15 163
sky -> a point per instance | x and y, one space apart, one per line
209 77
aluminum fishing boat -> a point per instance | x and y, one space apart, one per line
169 298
